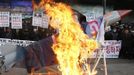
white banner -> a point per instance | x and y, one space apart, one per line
4 41
16 20
4 19
37 19
111 47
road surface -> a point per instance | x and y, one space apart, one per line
115 67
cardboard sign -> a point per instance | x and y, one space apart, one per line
16 21
4 19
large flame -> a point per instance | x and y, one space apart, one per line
72 46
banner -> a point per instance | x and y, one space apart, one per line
16 20
4 19
4 41
111 47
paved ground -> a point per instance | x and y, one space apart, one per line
115 67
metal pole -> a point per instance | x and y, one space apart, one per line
104 6
104 57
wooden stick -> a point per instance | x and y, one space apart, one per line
97 61
105 64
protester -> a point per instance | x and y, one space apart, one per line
126 47
123 32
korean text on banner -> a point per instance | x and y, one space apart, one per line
4 41
112 49
16 20
4 19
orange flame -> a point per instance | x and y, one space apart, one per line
72 46
40 5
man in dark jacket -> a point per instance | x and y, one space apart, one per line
126 48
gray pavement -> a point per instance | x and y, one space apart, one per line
115 67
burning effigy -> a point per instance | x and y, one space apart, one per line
72 46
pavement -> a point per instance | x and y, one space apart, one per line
117 67
114 66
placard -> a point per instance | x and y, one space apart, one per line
16 20
45 21
37 19
4 19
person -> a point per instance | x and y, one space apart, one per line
126 47
2 33
108 35
35 35
8 33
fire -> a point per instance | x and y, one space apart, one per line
72 46
40 5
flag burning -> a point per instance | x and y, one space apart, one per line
72 47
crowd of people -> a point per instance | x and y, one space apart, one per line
28 32
117 31
34 34
125 33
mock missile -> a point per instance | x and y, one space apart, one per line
114 16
